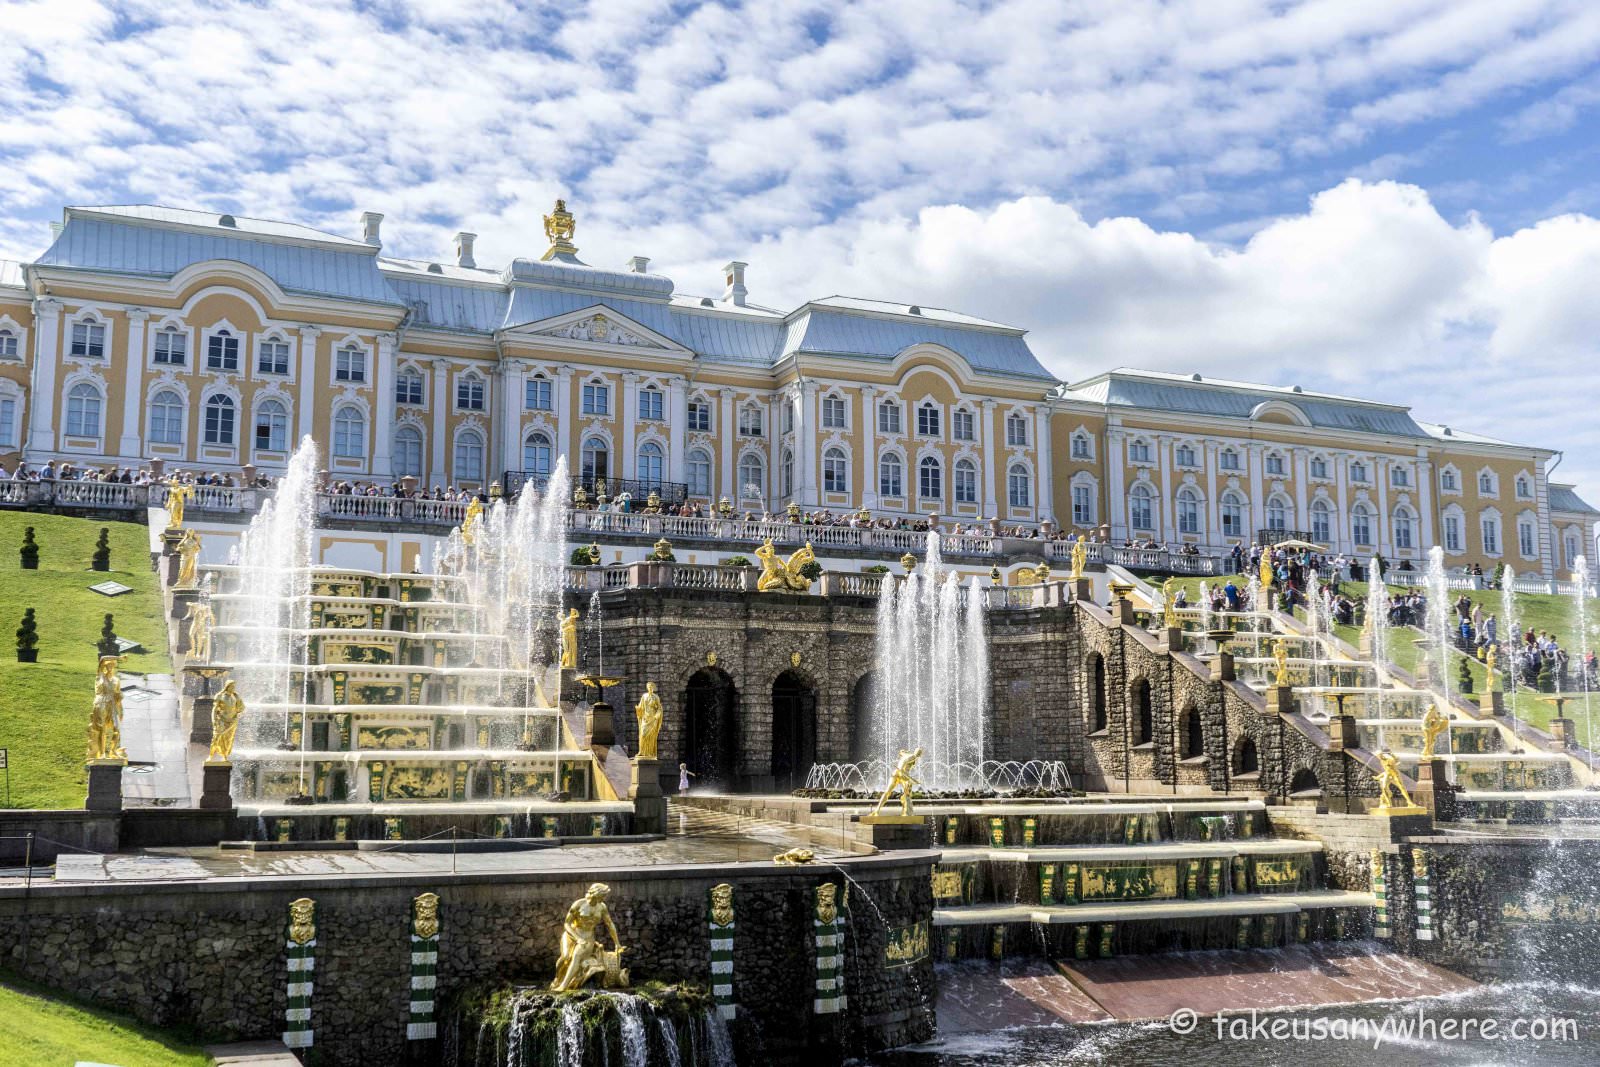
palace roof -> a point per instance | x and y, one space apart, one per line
1565 499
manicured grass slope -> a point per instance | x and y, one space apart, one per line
42 1031
44 706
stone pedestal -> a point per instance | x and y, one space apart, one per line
600 724
1405 822
169 543
1082 589
200 728
1564 731
1280 700
105 784
1175 638
1343 733
1123 611
182 599
216 788
1222 668
885 832
649 804
1492 703
1434 791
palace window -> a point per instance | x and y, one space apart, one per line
1452 533
171 347
9 431
1083 505
350 365
1139 451
889 476
1399 477
835 471
408 388
8 345
1232 515
1019 486
651 404
1448 480
1524 489
1486 484
1188 511
166 418
750 421
963 427
1080 447
88 339
1358 471
536 454
1491 534
273 357
1277 514
1141 516
833 413
349 432
966 481
1405 529
272 427
888 416
1361 525
537 394
1319 467
652 465
219 419
1185 456
930 479
83 411
1275 464
596 399
1321 522
699 462
1016 431
699 416
1527 541
469 457
595 459
407 452
1228 460
752 477
786 467
469 393
222 352
788 417
928 421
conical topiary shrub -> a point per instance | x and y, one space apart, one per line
28 639
107 645
29 551
102 551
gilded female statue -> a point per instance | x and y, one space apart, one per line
226 711
177 495
200 620
105 719
649 714
581 954
569 641
1433 724
188 559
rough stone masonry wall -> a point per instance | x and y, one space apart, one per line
211 954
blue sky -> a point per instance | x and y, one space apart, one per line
1396 198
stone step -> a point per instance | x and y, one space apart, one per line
1152 910
1170 850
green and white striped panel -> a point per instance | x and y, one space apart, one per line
830 965
1419 870
722 969
1380 893
424 978
302 961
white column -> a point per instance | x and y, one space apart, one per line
677 427
133 386
1425 501
1047 486
805 448
439 474
991 499
1169 505
1214 484
1258 503
309 386
869 435
1117 480
630 416
728 446
383 406
42 390
510 420
566 423
1343 534
1380 471
1301 469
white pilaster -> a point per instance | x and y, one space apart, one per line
1214 484
1117 480
728 446
1169 505
869 434
566 422
308 391
991 448
1258 503
133 386
806 444
630 418
1300 461
1425 500
1047 486
383 375
677 428
1343 533
509 426
46 359
439 474
1380 471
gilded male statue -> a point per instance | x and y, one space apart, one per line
1433 724
649 713
1389 779
902 780
582 956
177 495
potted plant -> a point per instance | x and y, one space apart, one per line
102 551
28 637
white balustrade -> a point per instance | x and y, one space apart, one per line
98 494
13 492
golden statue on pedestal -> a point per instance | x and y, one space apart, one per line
470 524
1268 575
901 779
1389 779
649 714
1491 676
177 495
1169 609
105 718
188 560
582 956
1280 656
1433 724
569 640
778 575
200 622
1080 556
226 711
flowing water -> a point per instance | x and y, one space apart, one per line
1509 639
1580 624
1440 637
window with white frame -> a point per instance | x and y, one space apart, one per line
1358 471
222 351
1399 477
166 418
1527 539
407 456
1361 525
9 348
963 425
699 463
752 477
1019 486
1491 534
788 416
1275 464
834 413
350 365
469 456
1449 480
965 481
1452 533
349 432
83 411
1572 550
88 339
469 393
1139 451
652 404
537 394
1486 484
1228 460
786 467
652 464
930 479
1232 514
1185 456
750 421
1080 446
536 453
1321 522
171 347
835 471
1083 505
219 419
927 421
408 388
1016 430
272 427
699 416
888 416
1524 488
595 459
890 473
1319 467
1405 528
273 356
1277 513
1188 511
1141 513
596 398
10 432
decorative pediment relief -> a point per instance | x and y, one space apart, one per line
599 328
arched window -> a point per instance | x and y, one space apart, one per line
1527 537
1277 513
1232 514
1193 733
1188 511
930 479
166 418
966 482
928 420
408 452
752 476
1097 692
1245 760
1019 486
835 471
1321 521
1486 484
1524 489
536 453
699 462
652 464
349 432
787 473
1489 524
272 427
889 476
596 459
1405 528
469 457
1361 525
1141 516
83 411
219 419
1143 713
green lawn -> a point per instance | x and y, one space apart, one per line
44 706
43 1031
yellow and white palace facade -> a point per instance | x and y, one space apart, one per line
215 342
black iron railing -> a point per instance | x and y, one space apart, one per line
638 489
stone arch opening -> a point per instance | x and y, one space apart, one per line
1191 731
1245 758
1097 692
794 730
710 743
1305 782
1144 725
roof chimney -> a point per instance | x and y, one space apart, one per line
464 249
370 221
55 230
639 264
736 292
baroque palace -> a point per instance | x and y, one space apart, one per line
214 342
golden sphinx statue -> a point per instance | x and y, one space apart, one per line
188 560
783 576
582 956
226 710
105 717
901 780
569 640
1433 724
650 715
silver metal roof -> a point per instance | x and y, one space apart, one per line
10 274
822 330
1565 498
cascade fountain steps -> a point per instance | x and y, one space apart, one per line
1233 906
1165 851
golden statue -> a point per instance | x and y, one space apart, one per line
226 711
778 575
827 902
1169 610
469 525
302 920
105 718
722 904
1268 575
1433 724
1041 573
425 915
200 622
559 227
1491 676
582 956
569 641
794 857
188 560
901 779
177 495
649 714
1389 778
1080 556
1280 656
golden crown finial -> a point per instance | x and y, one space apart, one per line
559 227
